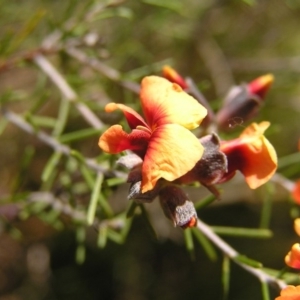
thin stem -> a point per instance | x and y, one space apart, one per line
233 254
217 64
102 68
66 90
289 185
53 143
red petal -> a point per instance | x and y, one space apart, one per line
296 192
261 85
133 118
115 140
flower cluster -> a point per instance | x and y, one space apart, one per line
166 154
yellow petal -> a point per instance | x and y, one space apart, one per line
252 154
297 226
172 152
164 102
260 153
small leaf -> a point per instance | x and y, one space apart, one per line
102 237
80 254
248 261
225 276
189 243
115 181
242 232
205 243
94 199
51 165
205 201
265 290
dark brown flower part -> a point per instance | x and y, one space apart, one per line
211 167
177 207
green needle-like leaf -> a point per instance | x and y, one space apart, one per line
243 232
189 243
62 117
51 166
248 261
79 135
94 199
102 237
115 181
265 290
80 254
205 201
3 123
205 243
225 276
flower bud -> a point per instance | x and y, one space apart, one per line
292 259
135 192
212 166
243 102
260 85
177 207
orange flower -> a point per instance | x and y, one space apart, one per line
252 154
173 76
167 148
296 192
290 293
292 259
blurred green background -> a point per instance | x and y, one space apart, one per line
218 44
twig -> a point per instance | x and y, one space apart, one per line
102 68
54 144
201 99
233 254
57 204
216 64
266 64
66 90
289 185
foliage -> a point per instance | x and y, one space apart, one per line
63 200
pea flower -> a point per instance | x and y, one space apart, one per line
163 140
251 154
289 293
244 101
